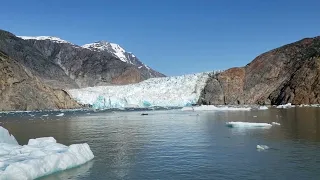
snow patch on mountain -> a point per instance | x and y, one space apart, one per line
177 91
113 48
51 38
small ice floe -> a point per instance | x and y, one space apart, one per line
214 108
262 147
289 105
59 115
263 108
275 123
248 125
45 115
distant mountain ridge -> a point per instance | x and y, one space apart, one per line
106 47
123 55
61 64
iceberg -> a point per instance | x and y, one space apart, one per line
40 157
214 108
248 125
289 105
262 147
263 108
59 115
6 137
177 91
275 123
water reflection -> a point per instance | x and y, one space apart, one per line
74 173
182 145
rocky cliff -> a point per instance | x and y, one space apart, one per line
289 74
61 64
21 90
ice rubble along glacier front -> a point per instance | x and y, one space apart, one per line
177 91
40 157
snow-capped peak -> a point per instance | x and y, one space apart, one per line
51 38
115 49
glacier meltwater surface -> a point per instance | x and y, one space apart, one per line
178 91
40 157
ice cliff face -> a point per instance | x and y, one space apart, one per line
176 91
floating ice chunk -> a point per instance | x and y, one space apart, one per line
6 137
248 125
42 156
214 108
263 108
289 105
61 114
275 123
262 147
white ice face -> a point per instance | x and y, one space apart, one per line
6 137
40 157
178 91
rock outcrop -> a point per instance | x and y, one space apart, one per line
289 74
21 90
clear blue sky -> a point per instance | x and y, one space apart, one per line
172 36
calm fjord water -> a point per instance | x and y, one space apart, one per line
181 145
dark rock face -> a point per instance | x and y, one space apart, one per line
289 74
33 73
64 65
21 90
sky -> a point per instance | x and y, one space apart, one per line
174 37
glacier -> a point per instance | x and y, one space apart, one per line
175 91
40 157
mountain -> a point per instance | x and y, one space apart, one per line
21 90
61 64
289 74
119 52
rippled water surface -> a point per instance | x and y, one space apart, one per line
174 144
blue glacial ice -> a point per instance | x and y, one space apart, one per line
178 91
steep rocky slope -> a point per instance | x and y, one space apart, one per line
123 55
61 64
289 74
21 90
